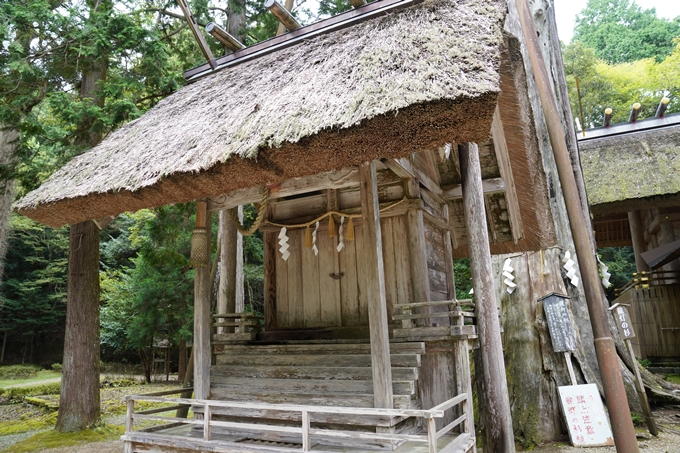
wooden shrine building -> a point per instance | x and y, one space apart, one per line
378 145
632 173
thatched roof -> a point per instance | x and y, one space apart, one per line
386 87
636 170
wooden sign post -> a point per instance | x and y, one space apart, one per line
560 327
625 326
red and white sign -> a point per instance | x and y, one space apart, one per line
584 413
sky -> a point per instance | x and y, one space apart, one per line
566 11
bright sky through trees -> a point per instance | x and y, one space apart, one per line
566 11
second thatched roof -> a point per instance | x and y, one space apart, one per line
636 170
408 81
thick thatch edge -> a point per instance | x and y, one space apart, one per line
531 185
428 125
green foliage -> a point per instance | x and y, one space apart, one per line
620 31
56 367
18 371
620 262
461 270
33 296
619 86
638 419
645 363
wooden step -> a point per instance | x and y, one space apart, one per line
415 347
313 399
295 372
310 385
335 360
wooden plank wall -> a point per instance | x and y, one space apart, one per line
657 320
307 296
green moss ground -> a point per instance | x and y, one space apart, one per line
54 439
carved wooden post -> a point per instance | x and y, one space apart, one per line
498 433
377 302
200 255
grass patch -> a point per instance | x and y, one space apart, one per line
54 439
673 378
37 376
28 424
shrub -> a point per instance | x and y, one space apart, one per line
19 392
25 371
56 367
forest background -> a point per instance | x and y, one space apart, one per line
72 71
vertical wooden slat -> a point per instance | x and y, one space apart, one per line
329 287
432 435
349 285
206 422
282 318
305 431
311 296
202 290
270 292
420 277
129 422
362 276
375 272
295 298
499 433
387 230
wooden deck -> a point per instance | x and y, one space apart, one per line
206 434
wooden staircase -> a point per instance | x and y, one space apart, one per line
320 374
326 374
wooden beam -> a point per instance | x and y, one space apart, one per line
375 278
282 14
224 37
341 179
499 434
202 290
403 168
193 25
489 186
503 158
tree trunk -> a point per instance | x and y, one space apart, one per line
79 398
9 139
236 19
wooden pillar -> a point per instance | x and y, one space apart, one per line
270 243
499 436
637 233
202 287
375 288
667 235
227 300
418 253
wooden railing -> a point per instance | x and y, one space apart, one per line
652 278
248 324
305 431
461 313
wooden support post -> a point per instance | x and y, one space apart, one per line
206 422
642 394
228 293
375 291
305 431
637 234
269 281
570 367
499 436
129 421
202 286
420 278
431 435
463 381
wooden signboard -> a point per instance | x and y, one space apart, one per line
623 321
559 322
584 413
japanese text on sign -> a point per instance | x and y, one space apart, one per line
559 323
623 322
585 416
